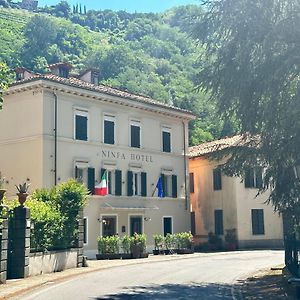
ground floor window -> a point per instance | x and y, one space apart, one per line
109 225
219 230
167 225
136 225
257 216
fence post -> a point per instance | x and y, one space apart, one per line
20 243
80 241
3 245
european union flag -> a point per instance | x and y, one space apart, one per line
159 187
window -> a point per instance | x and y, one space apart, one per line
114 181
109 226
136 225
191 182
81 125
253 178
137 183
63 72
217 179
167 222
219 230
169 184
109 130
20 76
135 134
166 139
85 174
258 226
95 79
85 230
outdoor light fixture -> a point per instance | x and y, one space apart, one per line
102 220
147 219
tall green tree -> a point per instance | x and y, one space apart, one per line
252 67
4 80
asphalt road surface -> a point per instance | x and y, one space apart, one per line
209 277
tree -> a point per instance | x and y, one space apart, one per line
252 67
4 80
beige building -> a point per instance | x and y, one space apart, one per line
219 202
54 127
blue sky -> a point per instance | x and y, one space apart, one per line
128 5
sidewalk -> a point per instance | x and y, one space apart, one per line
265 285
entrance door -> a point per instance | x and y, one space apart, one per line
136 225
167 225
109 226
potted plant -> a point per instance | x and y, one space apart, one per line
169 243
158 243
2 190
126 242
215 242
138 246
230 239
22 192
185 243
108 247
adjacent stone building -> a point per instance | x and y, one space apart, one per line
56 126
219 202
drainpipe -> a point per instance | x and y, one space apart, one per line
55 138
185 166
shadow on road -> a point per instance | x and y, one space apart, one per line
175 291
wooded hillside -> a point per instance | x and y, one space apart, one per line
150 54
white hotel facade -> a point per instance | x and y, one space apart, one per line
55 126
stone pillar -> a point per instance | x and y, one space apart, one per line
80 241
20 243
3 246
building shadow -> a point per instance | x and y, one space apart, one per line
174 291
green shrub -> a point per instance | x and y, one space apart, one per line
139 240
108 244
158 241
126 242
184 240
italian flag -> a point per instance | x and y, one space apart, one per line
101 189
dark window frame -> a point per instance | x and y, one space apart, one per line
217 180
219 222
166 146
107 138
133 126
257 221
253 178
81 114
192 182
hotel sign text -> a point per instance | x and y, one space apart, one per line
123 156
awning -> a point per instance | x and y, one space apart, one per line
127 207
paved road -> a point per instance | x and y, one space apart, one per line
209 277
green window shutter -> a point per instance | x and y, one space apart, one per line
109 132
174 186
219 230
163 184
91 180
135 136
118 174
259 180
166 136
102 171
247 179
81 127
76 172
144 184
129 183
217 179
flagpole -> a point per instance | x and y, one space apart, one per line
154 192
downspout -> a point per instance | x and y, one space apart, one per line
185 166
55 138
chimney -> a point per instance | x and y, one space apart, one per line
61 69
90 76
22 73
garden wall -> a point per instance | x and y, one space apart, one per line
52 261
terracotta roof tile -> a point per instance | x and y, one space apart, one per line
216 145
75 82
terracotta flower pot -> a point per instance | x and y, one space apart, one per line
22 198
